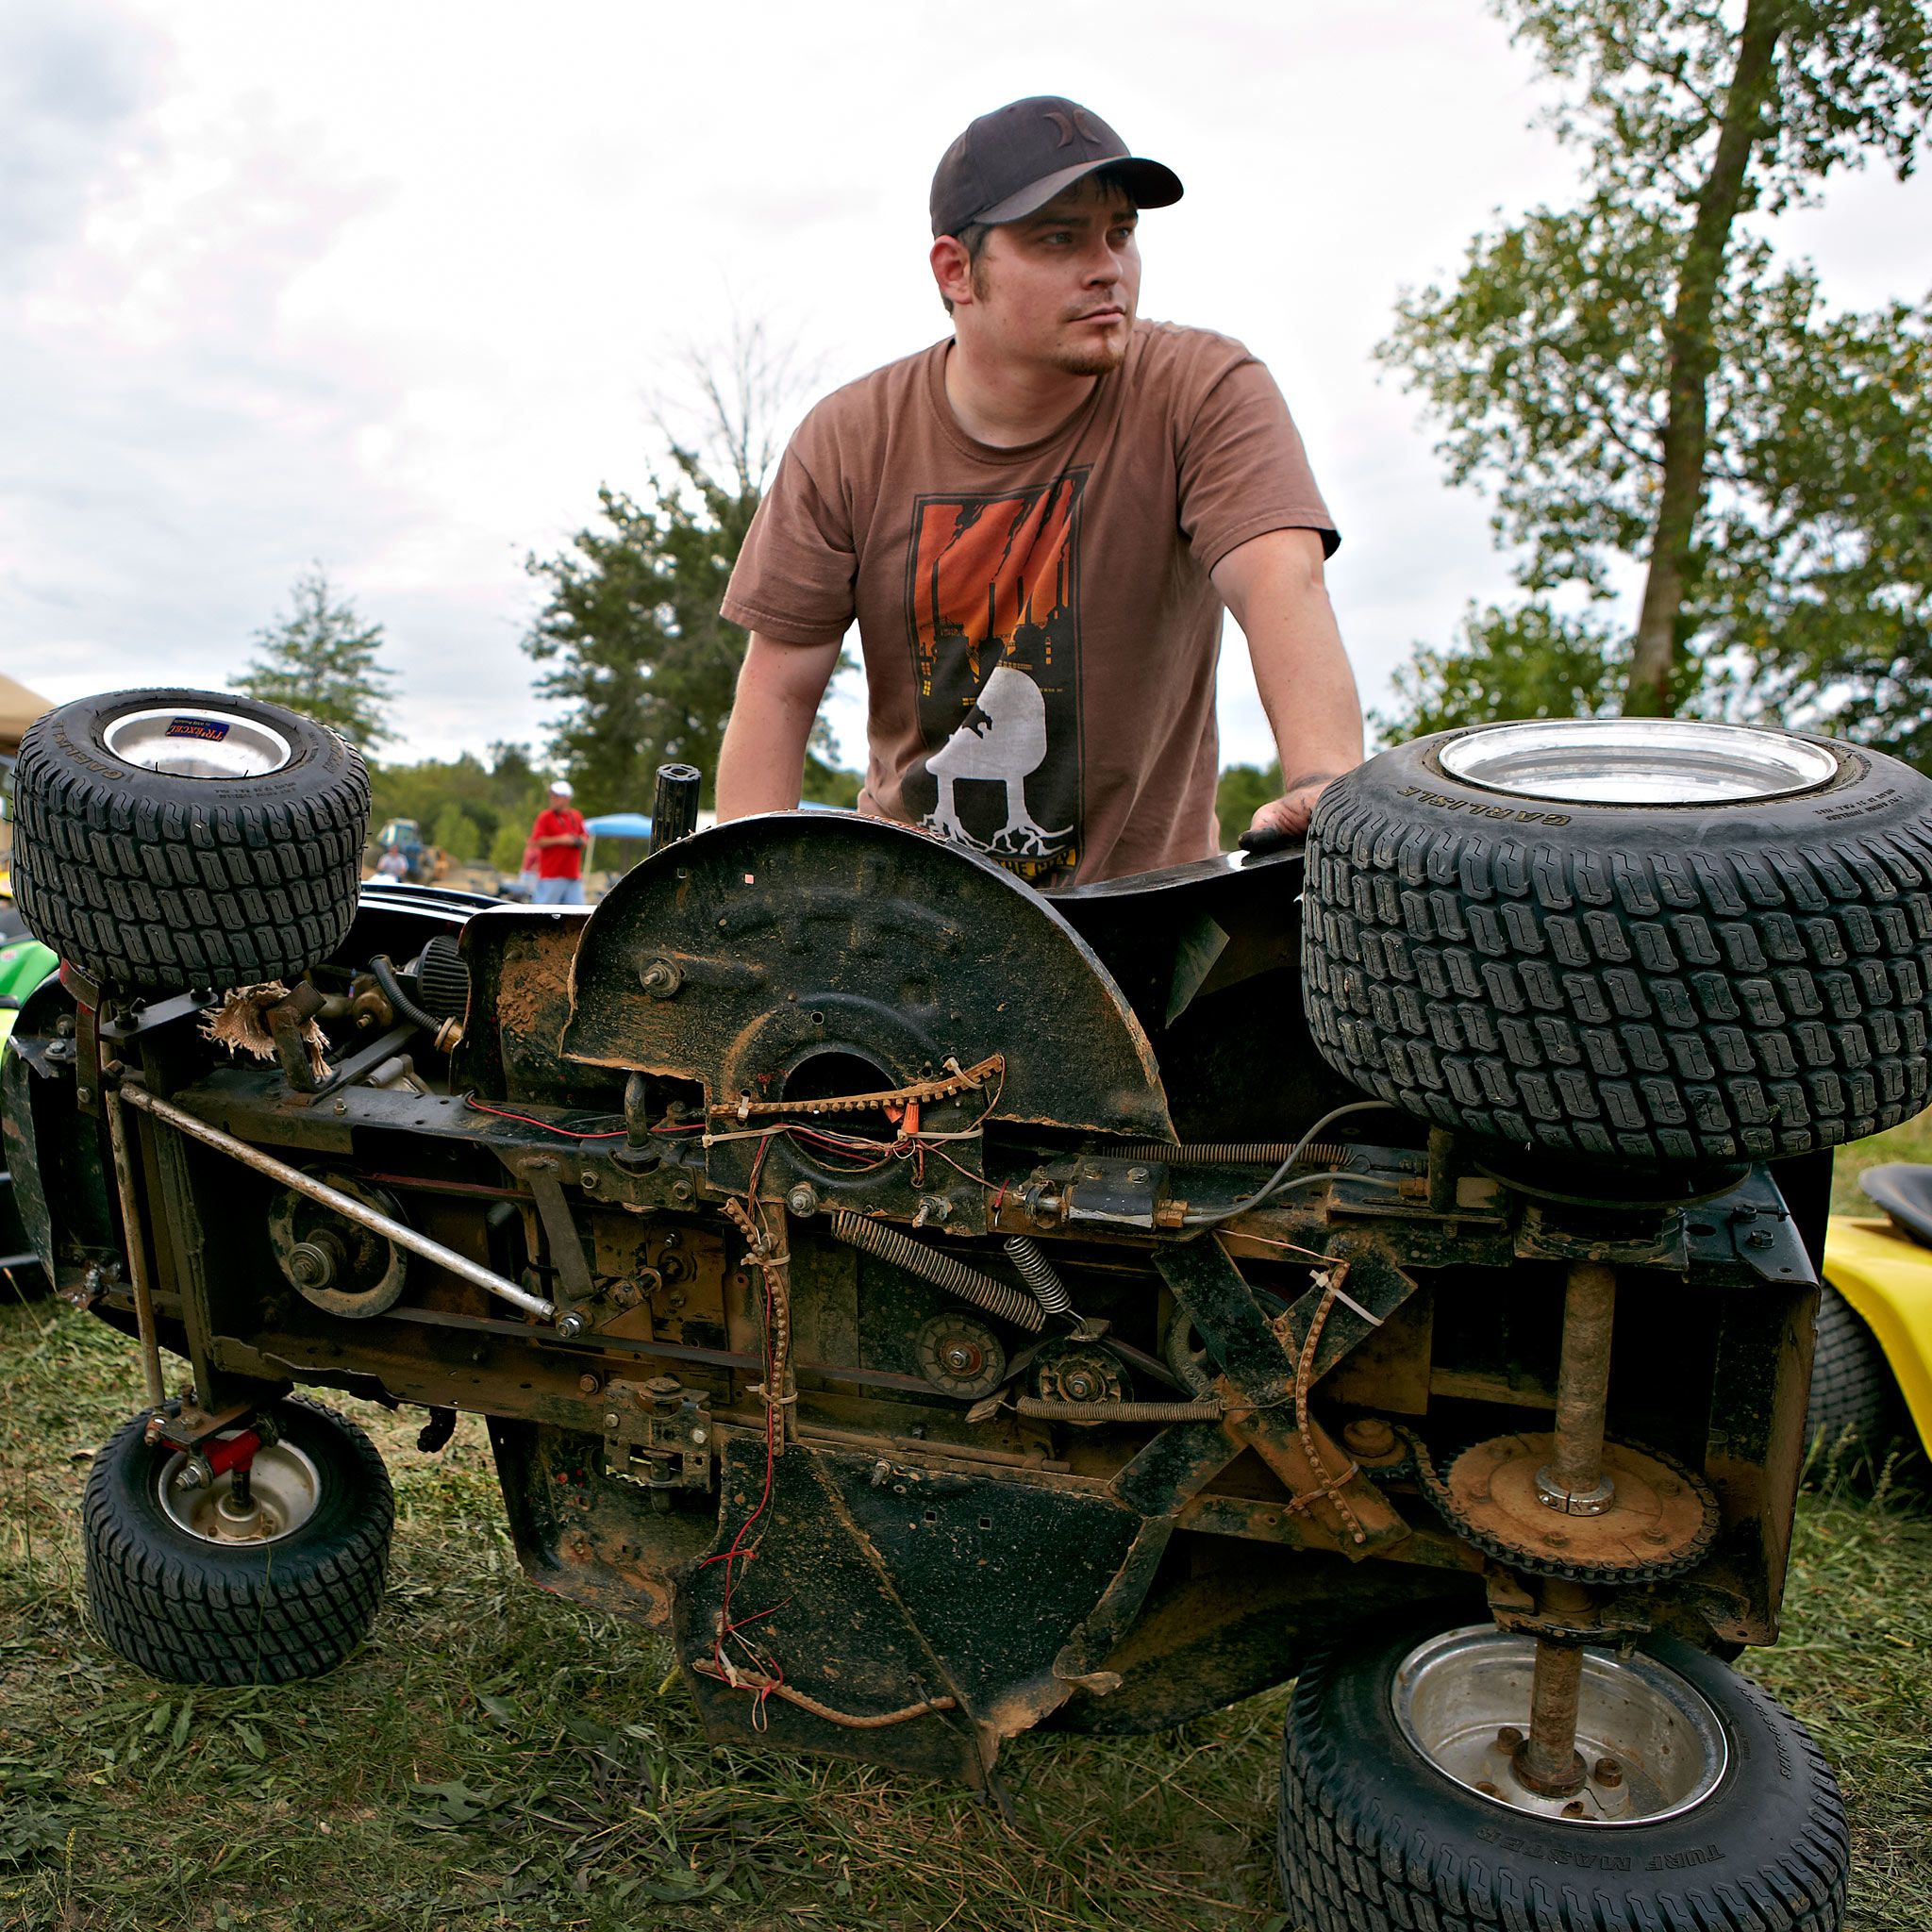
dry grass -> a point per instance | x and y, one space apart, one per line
496 1758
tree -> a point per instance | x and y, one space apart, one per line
1638 379
1241 792
507 795
321 660
456 832
642 660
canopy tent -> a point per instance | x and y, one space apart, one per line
619 825
19 707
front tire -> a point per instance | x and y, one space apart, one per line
193 1607
170 840
1853 1388
1373 1835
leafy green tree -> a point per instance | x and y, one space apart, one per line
507 791
456 832
1639 382
1241 793
321 659
506 848
641 658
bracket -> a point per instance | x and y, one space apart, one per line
658 1434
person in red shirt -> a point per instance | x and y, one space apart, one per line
559 840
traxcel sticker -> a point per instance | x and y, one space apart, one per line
209 729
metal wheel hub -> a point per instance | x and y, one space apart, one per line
1653 1745
198 741
285 1490
1636 761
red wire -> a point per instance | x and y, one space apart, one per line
470 1100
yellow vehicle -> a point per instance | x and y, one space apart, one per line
1871 1369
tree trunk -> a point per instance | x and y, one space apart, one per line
1692 355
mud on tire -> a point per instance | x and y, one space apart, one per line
1650 985
159 880
193 1611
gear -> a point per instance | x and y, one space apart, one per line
1080 1374
1662 1523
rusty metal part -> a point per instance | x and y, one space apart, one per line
963 1080
1574 1482
343 1268
658 1434
1548 1760
1369 1439
290 1026
1038 1274
1662 1523
402 1235
996 1297
1332 1485
959 1355
566 1244
1236 1153
776 1687
1440 1194
134 1233
777 1390
1105 1409
1075 1374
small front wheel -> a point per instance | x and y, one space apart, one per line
198 1586
1708 1804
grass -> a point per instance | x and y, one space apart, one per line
1912 1142
496 1758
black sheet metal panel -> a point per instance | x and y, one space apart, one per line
888 1583
799 934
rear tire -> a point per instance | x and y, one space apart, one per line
159 880
191 1610
1646 985
1374 1838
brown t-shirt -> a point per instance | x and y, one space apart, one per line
1038 628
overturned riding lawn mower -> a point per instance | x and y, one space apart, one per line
947 1309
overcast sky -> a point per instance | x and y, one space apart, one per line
395 287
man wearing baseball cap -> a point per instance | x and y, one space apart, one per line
1037 524
558 839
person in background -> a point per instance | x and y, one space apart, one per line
559 840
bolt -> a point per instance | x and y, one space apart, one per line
662 1386
588 1384
803 1199
1079 1384
587 1182
1608 1773
1368 1435
611 1419
699 1435
1509 1738
1759 1237
1656 1535
570 1326
680 1190
1556 1538
1137 1174
662 978
1486 1788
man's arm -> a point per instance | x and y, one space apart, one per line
1272 584
761 762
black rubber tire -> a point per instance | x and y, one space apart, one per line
152 882
1648 987
196 1612
1852 1384
1371 1836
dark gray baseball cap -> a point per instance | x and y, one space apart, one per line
1018 158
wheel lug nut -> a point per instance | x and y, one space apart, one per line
1509 1738
1608 1773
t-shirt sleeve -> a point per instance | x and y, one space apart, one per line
793 578
1243 471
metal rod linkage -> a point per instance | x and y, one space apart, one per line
137 1253
399 1232
1573 1481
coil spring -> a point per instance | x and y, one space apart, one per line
1236 1153
996 1297
1037 1272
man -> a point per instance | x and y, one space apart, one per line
560 841
1037 525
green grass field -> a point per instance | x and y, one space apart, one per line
496 1758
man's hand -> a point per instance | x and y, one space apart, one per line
761 762
1272 584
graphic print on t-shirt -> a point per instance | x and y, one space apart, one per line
993 617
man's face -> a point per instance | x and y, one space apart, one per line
1059 286
560 801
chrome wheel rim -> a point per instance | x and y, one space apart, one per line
284 1492
1636 761
198 741
1455 1693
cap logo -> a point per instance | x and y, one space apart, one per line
1068 125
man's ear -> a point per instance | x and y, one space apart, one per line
951 269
